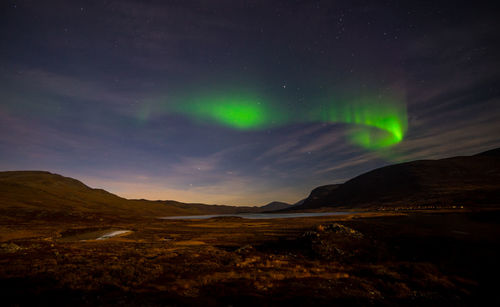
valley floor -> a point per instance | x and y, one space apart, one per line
390 258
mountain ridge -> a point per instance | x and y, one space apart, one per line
457 180
454 180
275 205
40 193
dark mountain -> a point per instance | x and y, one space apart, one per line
300 202
275 205
452 181
37 193
490 153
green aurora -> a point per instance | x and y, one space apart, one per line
377 123
374 123
239 111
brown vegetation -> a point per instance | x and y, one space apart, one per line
389 258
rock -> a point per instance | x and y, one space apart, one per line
331 241
245 249
10 247
341 229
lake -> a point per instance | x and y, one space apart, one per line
255 216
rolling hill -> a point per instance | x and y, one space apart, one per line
38 194
464 180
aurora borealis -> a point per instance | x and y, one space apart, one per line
235 110
242 102
383 123
378 123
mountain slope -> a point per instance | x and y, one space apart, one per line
457 180
275 205
38 193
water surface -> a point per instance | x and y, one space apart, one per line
112 234
256 216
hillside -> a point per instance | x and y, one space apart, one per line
275 205
38 194
452 181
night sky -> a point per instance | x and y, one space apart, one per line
243 102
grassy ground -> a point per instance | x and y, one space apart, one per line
389 258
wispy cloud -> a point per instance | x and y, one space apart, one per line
68 86
348 164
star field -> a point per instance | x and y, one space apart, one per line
242 102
